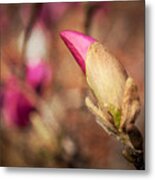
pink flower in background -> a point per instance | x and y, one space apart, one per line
78 45
39 75
15 102
16 105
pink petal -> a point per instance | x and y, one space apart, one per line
78 45
38 75
17 107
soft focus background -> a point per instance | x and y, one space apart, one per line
44 121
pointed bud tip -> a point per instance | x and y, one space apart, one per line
78 44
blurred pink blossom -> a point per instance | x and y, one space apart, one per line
17 106
39 75
15 101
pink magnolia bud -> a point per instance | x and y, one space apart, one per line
16 106
78 45
38 75
105 75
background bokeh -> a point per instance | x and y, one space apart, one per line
44 121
